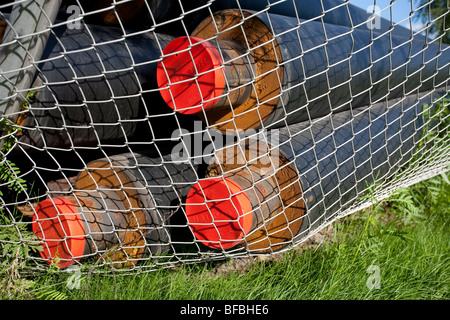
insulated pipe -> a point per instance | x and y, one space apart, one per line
299 73
211 79
121 206
70 233
266 200
91 86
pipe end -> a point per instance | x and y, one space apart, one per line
219 212
190 77
58 224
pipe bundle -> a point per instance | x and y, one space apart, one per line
265 197
341 102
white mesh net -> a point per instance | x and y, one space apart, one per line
147 134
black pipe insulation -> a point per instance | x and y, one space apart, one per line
351 71
95 86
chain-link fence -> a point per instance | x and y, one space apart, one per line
147 134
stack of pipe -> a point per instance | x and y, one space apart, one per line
318 81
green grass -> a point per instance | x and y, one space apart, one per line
405 238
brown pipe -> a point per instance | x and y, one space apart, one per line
112 209
197 74
82 225
258 206
251 98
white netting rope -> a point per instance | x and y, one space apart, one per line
148 134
